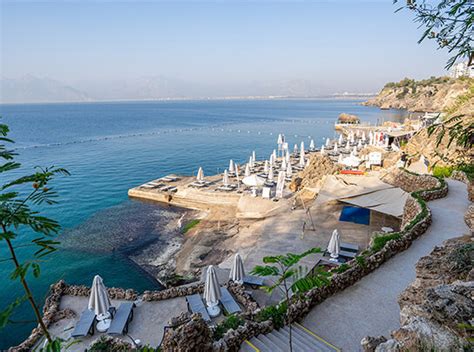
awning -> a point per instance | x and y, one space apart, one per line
399 133
364 191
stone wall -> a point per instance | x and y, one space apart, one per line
173 292
410 182
411 209
193 335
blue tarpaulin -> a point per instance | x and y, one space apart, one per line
355 214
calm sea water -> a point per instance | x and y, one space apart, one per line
111 147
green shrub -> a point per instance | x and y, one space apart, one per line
360 260
274 313
231 322
341 268
442 171
380 241
189 225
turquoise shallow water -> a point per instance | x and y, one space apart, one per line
111 147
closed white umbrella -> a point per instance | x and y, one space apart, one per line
212 292
311 145
237 175
231 166
270 173
335 147
265 167
280 139
295 149
253 181
247 170
351 137
340 139
302 161
200 175
322 150
302 147
327 142
359 144
237 272
254 157
274 155
333 247
99 300
287 157
225 179
348 145
280 185
354 151
272 159
364 138
283 164
289 170
386 141
250 162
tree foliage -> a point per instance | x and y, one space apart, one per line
449 23
19 200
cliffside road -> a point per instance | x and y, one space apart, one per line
370 306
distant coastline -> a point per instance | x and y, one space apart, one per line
343 96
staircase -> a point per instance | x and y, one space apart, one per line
303 339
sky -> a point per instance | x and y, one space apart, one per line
228 46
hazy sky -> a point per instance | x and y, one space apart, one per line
340 45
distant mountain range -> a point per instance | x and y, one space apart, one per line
32 89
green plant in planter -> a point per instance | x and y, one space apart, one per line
341 268
231 322
274 313
360 260
380 241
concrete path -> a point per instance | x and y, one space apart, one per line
370 306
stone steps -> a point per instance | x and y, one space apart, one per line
303 340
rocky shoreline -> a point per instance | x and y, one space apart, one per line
431 95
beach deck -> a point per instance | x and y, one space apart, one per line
185 192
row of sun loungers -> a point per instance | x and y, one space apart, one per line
119 325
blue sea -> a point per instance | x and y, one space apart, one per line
111 147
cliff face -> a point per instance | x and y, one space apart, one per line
430 95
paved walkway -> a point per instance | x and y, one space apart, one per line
370 306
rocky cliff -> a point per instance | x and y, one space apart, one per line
437 309
430 95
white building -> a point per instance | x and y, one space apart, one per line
461 69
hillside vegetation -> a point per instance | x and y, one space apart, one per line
435 94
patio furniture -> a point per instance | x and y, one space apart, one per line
229 303
346 254
196 305
349 247
123 316
252 280
85 325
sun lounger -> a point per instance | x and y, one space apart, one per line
85 325
123 316
225 188
253 280
173 189
346 254
349 247
229 303
196 305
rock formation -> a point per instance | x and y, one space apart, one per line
319 166
431 95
